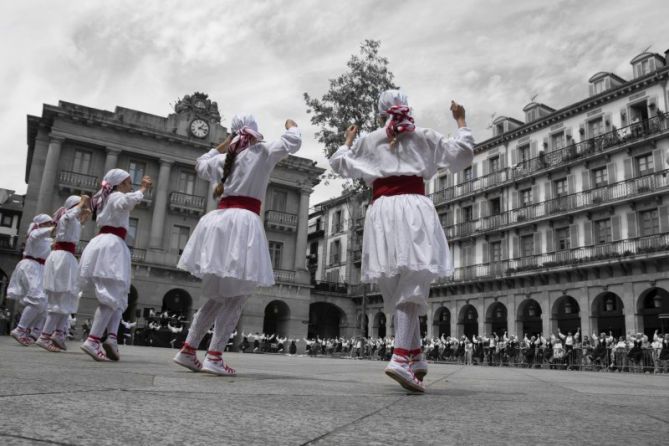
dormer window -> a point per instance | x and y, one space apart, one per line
599 86
499 128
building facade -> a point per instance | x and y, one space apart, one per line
70 147
11 210
561 222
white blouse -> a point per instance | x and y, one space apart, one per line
38 243
419 153
252 167
117 210
69 226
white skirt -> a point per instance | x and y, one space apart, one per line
104 268
403 233
25 285
228 250
61 273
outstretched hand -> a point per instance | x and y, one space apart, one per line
351 133
458 113
290 124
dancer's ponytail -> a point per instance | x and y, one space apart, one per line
227 170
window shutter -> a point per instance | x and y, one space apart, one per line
585 180
547 191
573 236
505 248
628 169
486 167
615 225
515 241
514 199
581 131
623 117
658 163
533 149
458 215
545 147
449 217
514 157
550 236
535 194
475 170
484 209
568 136
570 184
607 119
502 161
475 211
664 218
631 225
449 180
587 233
611 168
486 252
537 243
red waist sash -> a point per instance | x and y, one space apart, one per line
65 246
35 259
118 232
397 185
240 202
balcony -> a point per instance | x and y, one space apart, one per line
284 276
331 287
148 195
315 230
620 251
75 182
280 221
187 204
544 162
616 193
8 241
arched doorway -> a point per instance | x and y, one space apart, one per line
277 316
324 320
608 314
177 301
529 318
496 319
566 315
469 321
653 310
380 324
442 322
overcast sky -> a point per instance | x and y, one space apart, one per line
492 56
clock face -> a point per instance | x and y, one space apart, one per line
199 128
200 104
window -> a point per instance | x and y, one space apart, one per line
467 174
562 238
561 187
603 231
186 182
82 162
499 129
131 239
527 245
644 164
494 164
557 140
596 127
336 222
649 222
7 221
179 238
335 252
467 213
526 197
495 206
495 251
332 276
523 154
599 86
136 170
600 177
279 200
441 182
275 249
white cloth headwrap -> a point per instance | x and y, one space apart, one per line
390 98
40 221
113 178
71 202
246 128
394 105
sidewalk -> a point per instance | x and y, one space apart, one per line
67 399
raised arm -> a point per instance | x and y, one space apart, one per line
290 142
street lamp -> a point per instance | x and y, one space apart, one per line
498 313
567 308
609 304
657 301
532 311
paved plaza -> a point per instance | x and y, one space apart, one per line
67 399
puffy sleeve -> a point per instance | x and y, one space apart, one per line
349 162
40 233
71 214
210 166
290 142
126 202
453 153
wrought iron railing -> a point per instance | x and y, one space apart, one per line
78 180
281 218
184 200
284 276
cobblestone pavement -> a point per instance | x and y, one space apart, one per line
67 399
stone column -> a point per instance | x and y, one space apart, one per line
111 161
430 322
49 176
390 326
160 205
302 223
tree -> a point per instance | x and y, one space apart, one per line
352 97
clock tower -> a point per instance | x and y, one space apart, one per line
197 117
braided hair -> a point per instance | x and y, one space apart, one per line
227 170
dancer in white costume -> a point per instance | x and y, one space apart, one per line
404 247
228 248
25 285
61 272
105 262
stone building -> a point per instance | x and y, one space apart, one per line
71 146
11 210
561 222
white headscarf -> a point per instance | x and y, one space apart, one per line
394 105
246 127
112 179
40 221
71 202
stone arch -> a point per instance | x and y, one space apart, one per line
276 319
442 322
565 315
380 324
325 320
653 311
496 319
608 314
529 319
468 321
